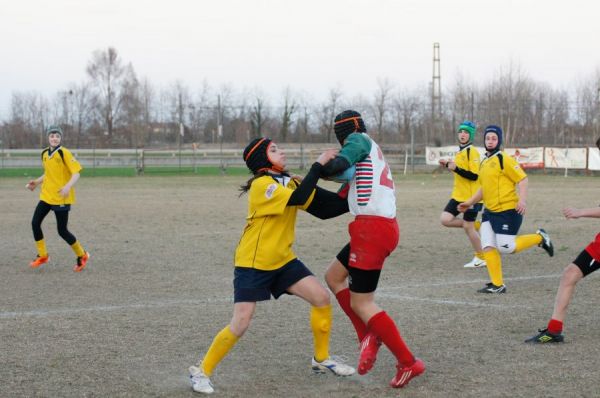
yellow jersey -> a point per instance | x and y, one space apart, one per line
467 159
59 165
266 243
498 182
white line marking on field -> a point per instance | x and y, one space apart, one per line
450 302
384 292
113 308
479 281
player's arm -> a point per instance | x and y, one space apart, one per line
308 184
570 212
469 175
356 148
306 187
522 204
34 183
64 191
464 206
327 204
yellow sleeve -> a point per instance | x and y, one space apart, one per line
268 197
70 161
475 161
513 170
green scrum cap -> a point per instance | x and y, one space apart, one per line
469 127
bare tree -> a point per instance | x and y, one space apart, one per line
258 116
107 72
289 108
327 112
384 89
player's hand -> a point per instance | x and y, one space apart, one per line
571 212
443 162
31 185
64 191
521 207
451 165
327 155
464 206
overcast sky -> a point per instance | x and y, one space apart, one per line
309 45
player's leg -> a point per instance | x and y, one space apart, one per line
62 221
249 287
469 219
448 216
300 282
41 211
492 259
582 266
222 343
336 278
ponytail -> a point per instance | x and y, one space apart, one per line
246 187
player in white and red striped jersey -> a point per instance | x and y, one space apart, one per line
354 274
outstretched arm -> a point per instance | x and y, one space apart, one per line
327 204
308 184
570 212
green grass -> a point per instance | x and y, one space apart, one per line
130 172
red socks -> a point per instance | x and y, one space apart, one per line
385 328
343 297
555 327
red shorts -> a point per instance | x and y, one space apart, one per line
594 248
372 240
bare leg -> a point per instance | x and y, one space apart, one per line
448 220
571 275
336 276
473 235
310 290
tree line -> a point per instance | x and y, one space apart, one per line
115 108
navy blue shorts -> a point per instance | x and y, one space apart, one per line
505 222
470 215
251 284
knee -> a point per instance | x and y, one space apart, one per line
321 298
571 275
468 226
445 220
240 323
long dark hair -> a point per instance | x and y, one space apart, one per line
598 143
246 187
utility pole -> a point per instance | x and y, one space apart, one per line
220 133
181 128
436 91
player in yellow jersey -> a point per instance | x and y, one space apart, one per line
466 183
500 175
61 172
265 264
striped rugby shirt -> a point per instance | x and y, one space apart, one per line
371 191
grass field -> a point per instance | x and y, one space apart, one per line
159 286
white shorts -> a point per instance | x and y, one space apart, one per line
504 243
